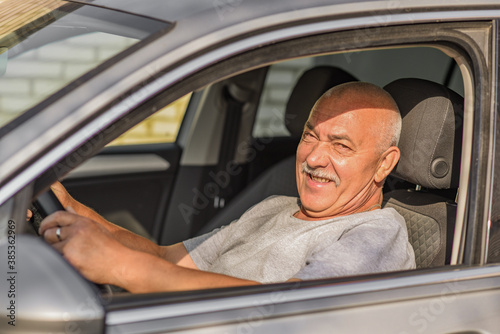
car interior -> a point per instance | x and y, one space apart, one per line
425 83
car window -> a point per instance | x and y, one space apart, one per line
47 46
162 127
38 73
377 66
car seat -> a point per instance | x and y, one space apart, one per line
279 179
430 145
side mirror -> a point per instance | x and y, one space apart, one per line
42 293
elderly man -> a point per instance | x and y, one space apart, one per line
336 228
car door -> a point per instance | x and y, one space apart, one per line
458 297
435 301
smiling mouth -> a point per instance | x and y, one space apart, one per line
319 179
320 176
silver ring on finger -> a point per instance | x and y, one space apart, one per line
58 233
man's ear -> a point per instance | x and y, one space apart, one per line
387 163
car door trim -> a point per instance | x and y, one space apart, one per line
387 283
106 165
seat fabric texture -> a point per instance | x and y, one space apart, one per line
430 145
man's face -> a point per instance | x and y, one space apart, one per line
337 159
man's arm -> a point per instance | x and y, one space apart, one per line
108 254
142 273
101 258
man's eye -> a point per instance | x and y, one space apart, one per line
307 135
342 147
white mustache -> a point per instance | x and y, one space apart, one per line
320 173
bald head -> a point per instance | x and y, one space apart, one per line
363 95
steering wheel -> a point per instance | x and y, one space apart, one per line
46 204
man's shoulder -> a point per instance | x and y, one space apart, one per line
387 217
384 213
390 214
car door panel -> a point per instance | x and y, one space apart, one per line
128 185
432 302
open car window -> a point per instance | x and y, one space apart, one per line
194 208
378 66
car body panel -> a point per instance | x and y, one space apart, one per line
244 10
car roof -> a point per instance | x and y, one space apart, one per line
174 10
223 18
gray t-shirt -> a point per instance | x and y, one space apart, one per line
268 244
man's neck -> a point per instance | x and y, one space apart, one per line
374 203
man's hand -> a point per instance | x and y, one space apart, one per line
87 245
64 197
176 254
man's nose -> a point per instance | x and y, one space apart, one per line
318 157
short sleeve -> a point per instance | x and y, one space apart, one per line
375 246
205 248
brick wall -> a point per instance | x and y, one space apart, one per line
35 74
162 127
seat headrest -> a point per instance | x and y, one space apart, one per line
310 86
431 134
